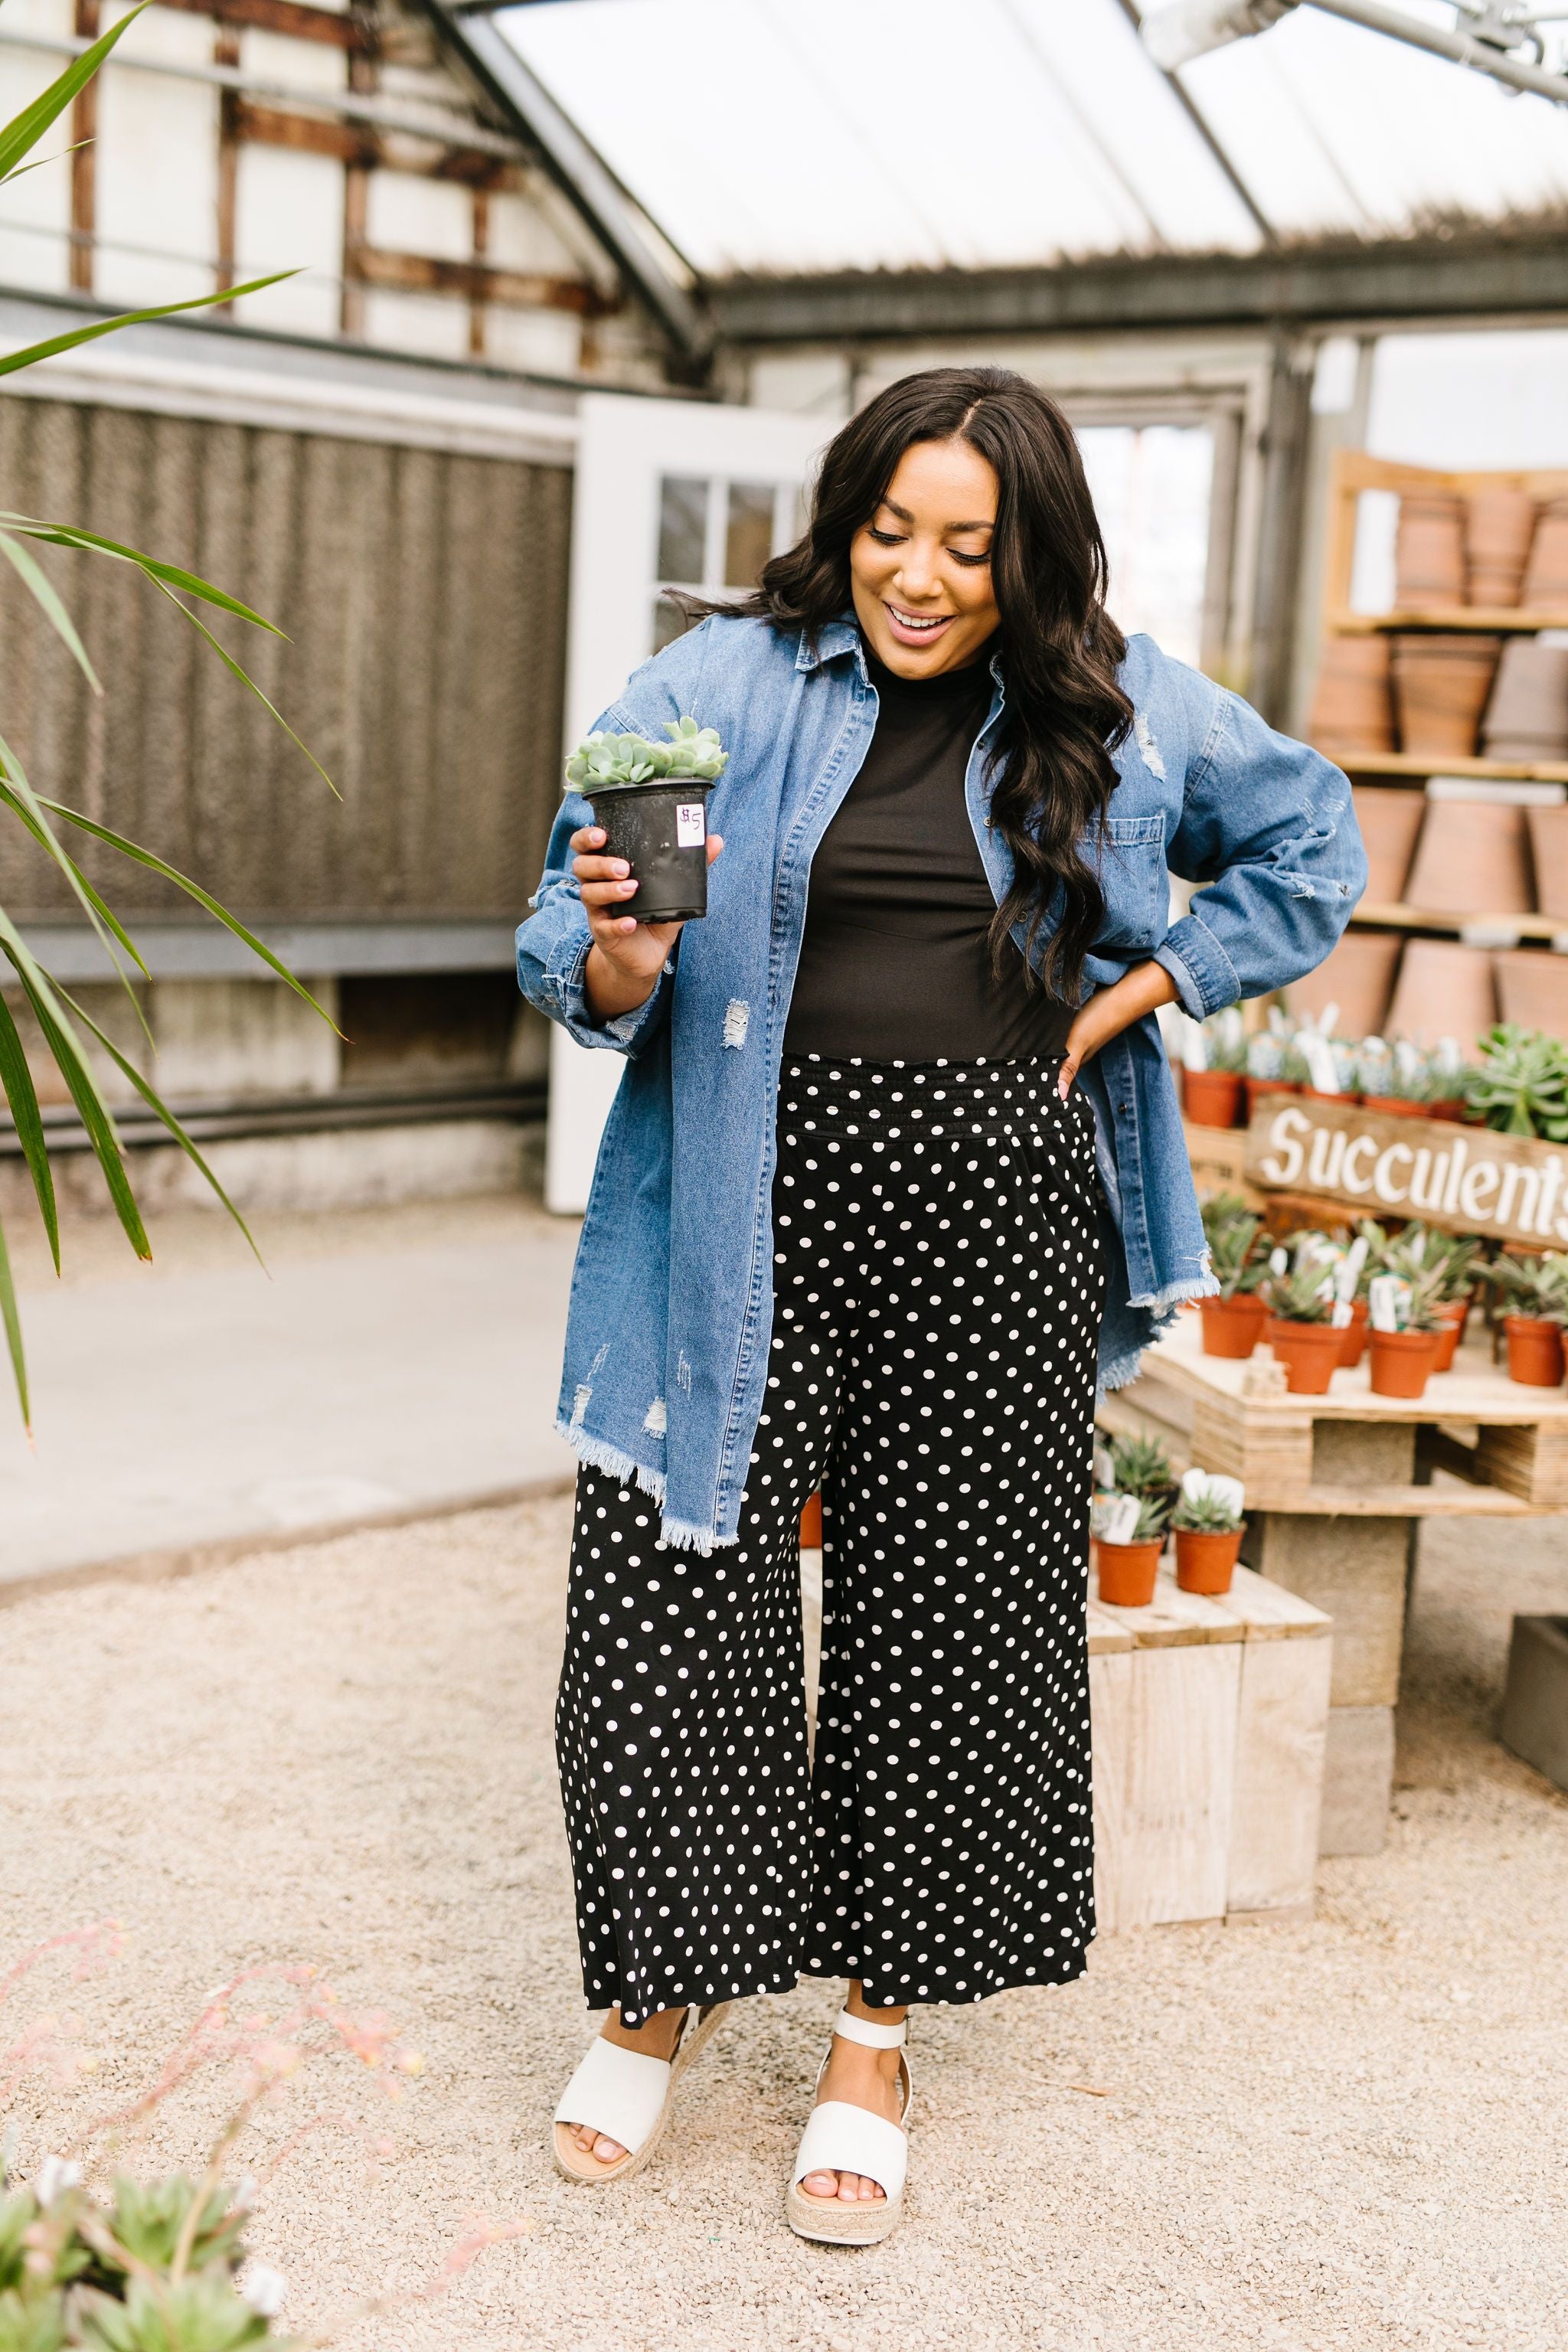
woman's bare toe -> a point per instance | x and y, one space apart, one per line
856 2186
597 2143
821 2184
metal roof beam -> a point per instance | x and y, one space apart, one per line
1415 279
576 168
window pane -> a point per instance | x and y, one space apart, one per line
749 533
682 528
668 622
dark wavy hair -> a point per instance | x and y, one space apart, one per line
1064 712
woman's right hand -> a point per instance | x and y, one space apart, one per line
626 957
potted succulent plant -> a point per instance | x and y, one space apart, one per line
1140 1465
652 801
1213 1071
1538 1287
1404 1331
1275 1063
1396 1081
1520 1084
1128 1536
1208 1527
1300 1328
1233 1322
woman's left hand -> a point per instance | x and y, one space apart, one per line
1107 1012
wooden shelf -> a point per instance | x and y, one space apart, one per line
1495 619
1422 764
1488 930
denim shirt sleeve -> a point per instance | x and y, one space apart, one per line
552 945
1268 831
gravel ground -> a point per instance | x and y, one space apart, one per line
1345 2133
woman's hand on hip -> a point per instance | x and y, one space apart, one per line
1107 1012
626 957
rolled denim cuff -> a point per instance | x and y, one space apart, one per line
1205 978
565 982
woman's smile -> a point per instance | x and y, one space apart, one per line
910 629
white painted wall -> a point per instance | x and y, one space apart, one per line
157 168
35 210
1478 399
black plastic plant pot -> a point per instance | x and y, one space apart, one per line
660 828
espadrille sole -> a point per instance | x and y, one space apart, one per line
575 2164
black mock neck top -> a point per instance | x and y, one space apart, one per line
895 965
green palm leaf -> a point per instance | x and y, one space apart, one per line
41 588
194 890
67 534
16 1079
68 343
27 128
12 1319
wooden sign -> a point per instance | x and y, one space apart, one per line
1467 1179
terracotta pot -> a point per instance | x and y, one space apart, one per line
1532 989
1308 1351
1127 1572
1545 585
1455 1314
1352 706
1358 976
1206 1563
1393 1106
1455 1111
1233 1327
1390 820
1535 1351
1549 855
1527 718
1429 550
1212 1097
1498 527
1402 1362
811 1523
1473 858
1441 684
1353 1336
1445 989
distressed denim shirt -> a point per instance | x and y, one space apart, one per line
671 1309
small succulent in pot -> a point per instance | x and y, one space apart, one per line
1519 1085
1209 1529
1231 1230
651 801
1301 1294
1141 1465
1129 1533
1301 1330
1535 1291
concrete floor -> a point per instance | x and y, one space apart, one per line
388 1360
1339 2135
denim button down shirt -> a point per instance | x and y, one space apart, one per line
671 1310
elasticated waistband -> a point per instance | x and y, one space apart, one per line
818 1095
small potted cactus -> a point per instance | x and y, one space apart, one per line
1301 1328
1128 1536
1140 1465
1208 1527
1404 1331
1213 1071
652 801
1538 1288
1233 1322
1396 1082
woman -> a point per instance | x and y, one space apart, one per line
896 1154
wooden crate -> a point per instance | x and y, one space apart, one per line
1208 1725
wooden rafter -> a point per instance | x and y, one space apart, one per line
84 160
350 143
355 30
476 281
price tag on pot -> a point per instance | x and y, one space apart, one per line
690 829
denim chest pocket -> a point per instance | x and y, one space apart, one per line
1130 858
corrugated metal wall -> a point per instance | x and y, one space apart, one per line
425 595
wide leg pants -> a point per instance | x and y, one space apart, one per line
937 1287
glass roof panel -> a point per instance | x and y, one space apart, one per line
798 136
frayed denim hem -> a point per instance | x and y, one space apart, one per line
681 1535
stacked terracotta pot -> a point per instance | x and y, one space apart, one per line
1527 718
1441 684
1499 525
1546 586
1353 709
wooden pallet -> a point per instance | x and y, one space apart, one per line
1300 1453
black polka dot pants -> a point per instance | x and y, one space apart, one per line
937 1286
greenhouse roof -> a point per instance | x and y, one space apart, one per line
789 138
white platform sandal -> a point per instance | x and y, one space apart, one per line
625 2095
839 2137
